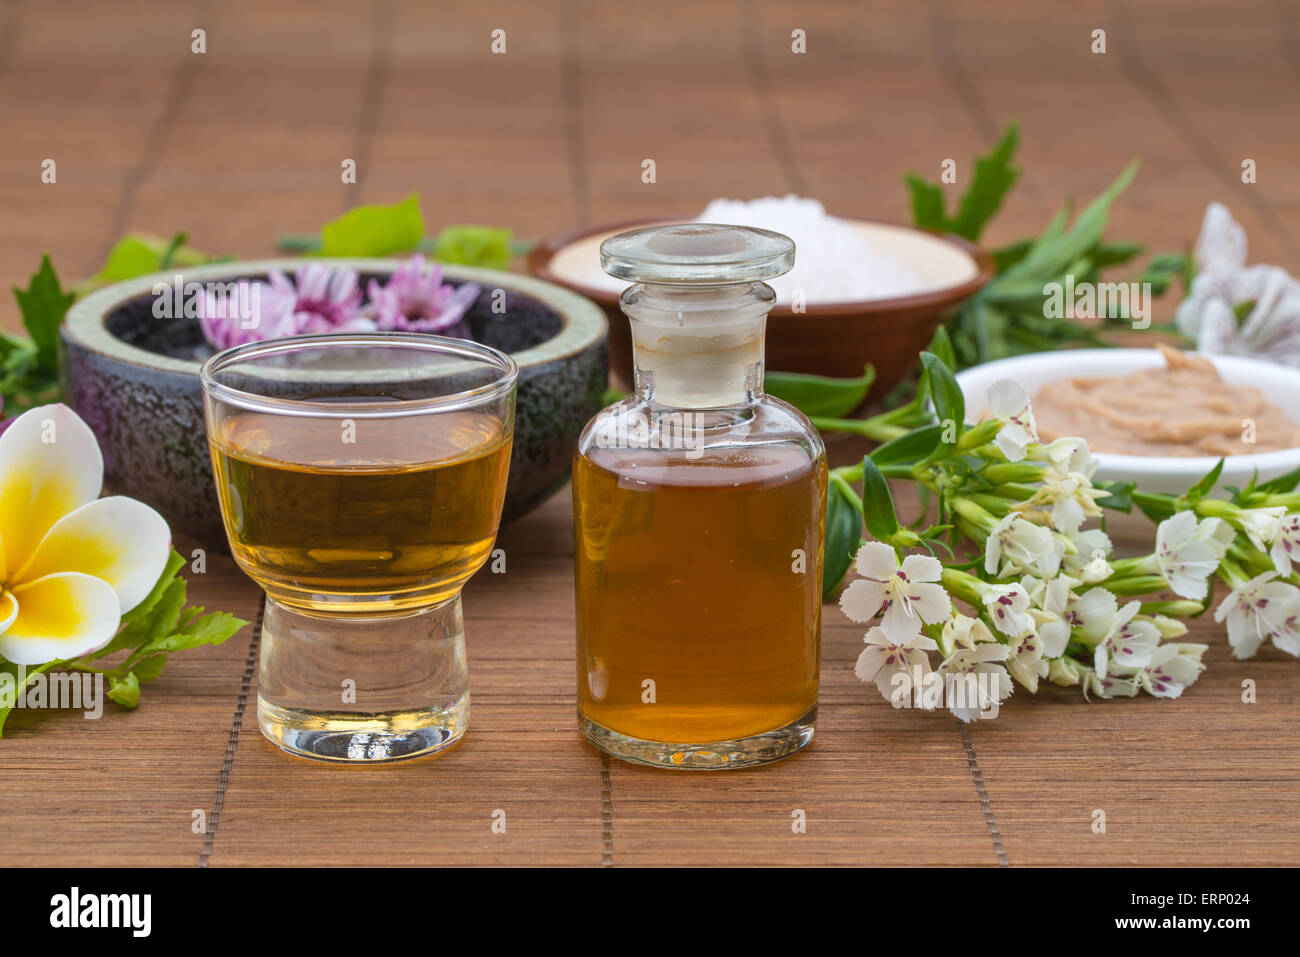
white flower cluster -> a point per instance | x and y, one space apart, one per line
1050 602
1226 288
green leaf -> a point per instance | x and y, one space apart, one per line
993 179
1119 495
147 669
927 204
949 403
877 504
941 346
174 562
210 629
138 254
43 305
125 691
1054 252
1205 485
816 395
370 231
1163 269
908 449
1011 254
483 246
1281 484
843 535
11 690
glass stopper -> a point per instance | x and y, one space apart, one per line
705 253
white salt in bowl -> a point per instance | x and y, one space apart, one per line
1152 473
831 338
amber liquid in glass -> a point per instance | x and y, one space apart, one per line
694 576
401 516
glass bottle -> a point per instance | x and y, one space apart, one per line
699 515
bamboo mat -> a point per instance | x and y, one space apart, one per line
244 142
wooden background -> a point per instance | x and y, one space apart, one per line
245 142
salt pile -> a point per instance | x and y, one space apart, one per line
833 263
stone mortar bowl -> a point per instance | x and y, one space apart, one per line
135 380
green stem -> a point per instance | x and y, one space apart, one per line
871 428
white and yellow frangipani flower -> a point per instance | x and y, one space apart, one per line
71 563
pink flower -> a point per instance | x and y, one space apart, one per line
323 299
236 315
417 300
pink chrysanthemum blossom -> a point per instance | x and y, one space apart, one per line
415 299
323 299
234 316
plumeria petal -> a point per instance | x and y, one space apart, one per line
50 464
8 610
117 539
60 616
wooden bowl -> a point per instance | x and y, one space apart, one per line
831 339
135 380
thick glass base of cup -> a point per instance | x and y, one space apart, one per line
747 752
363 690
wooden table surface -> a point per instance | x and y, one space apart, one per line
245 142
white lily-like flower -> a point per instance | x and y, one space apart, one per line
1286 545
1021 547
1271 329
1009 402
1188 552
1170 671
1094 613
1128 645
1065 671
1089 562
1221 245
975 681
1025 661
908 594
1109 686
963 631
1006 606
1169 627
1072 499
884 657
70 562
1049 608
1070 456
1261 609
1262 525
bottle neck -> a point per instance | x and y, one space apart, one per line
698 346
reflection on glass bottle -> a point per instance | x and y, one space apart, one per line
699 507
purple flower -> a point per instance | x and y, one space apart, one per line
323 299
416 299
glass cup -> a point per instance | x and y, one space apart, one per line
361 479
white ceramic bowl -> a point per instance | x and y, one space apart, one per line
1280 385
